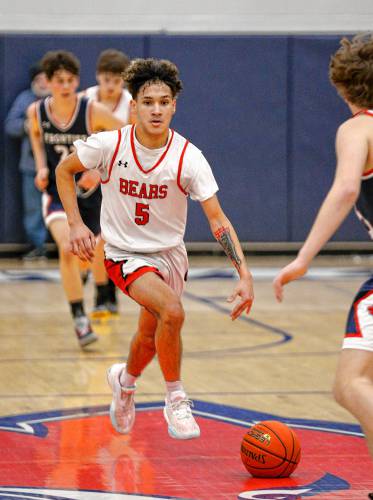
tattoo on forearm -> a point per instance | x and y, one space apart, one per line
223 236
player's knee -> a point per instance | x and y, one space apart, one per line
339 392
348 392
173 313
64 251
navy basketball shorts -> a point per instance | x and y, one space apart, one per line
52 210
359 328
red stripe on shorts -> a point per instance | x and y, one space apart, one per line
114 271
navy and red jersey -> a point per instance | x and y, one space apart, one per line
58 141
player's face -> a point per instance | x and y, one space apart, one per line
110 84
154 108
63 84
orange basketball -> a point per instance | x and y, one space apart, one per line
270 449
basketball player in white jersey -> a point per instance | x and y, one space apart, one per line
55 123
147 172
110 91
351 71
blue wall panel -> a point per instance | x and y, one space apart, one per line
316 112
234 108
260 107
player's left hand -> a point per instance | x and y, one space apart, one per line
245 291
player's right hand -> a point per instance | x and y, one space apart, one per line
293 271
42 178
82 242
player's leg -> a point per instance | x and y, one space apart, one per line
353 388
164 303
100 309
151 292
123 380
71 281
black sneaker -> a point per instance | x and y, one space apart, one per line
38 253
84 331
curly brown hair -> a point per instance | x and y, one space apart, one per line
112 61
54 60
147 71
351 70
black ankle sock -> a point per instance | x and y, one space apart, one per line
77 308
101 295
111 291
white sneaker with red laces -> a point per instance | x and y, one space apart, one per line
122 408
84 331
179 417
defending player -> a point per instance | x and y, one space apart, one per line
147 172
351 71
55 123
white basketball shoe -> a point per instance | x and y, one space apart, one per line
178 415
122 408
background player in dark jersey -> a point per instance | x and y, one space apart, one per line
56 122
351 71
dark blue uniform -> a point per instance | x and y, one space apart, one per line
58 143
360 319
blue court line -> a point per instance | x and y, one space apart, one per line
285 336
161 394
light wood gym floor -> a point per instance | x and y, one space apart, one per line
280 360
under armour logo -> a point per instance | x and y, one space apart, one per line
46 125
122 163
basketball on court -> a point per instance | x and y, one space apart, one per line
270 449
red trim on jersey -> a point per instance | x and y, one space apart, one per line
180 168
114 271
114 156
366 174
99 99
135 155
358 329
367 112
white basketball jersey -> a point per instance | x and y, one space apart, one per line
144 209
121 109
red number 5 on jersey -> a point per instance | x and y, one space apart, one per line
142 214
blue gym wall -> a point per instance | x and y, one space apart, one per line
260 107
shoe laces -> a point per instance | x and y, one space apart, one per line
126 396
181 408
82 325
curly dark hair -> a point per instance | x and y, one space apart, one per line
54 60
351 70
147 71
112 61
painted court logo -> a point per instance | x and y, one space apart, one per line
76 455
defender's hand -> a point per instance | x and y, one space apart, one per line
245 291
293 271
42 178
82 242
89 180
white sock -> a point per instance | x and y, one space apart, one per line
175 390
126 379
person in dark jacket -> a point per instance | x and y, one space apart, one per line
16 127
